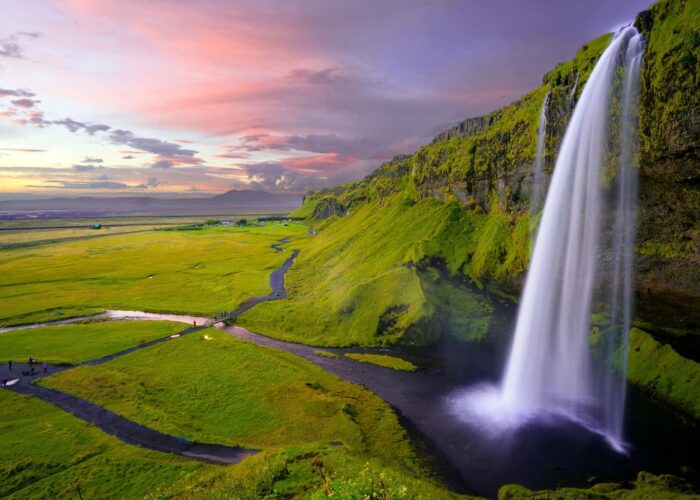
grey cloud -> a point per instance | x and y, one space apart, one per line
150 145
10 48
315 143
172 152
89 159
75 126
16 93
98 127
164 164
25 102
70 124
84 168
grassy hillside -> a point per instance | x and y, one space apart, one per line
371 278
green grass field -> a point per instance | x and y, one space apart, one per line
75 343
242 394
48 453
17 238
200 272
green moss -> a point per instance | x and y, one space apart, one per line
668 250
383 360
670 82
662 372
646 485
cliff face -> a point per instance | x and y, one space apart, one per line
668 256
484 165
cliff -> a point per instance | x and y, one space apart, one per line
482 168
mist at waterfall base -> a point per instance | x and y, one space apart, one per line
560 364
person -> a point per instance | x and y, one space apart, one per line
32 371
4 382
194 323
9 364
46 368
30 361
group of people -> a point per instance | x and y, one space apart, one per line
32 371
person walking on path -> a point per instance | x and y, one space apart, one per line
46 368
4 382
9 365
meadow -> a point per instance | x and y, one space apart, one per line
242 394
12 239
202 272
78 342
49 453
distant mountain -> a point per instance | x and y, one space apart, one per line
231 200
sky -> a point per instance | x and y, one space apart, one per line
192 97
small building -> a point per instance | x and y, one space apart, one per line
96 226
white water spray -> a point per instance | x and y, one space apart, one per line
552 368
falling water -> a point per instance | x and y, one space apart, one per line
623 236
551 367
538 180
572 94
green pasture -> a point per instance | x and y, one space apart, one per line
78 342
199 272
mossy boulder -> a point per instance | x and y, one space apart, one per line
659 370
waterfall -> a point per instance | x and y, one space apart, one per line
572 94
551 366
623 237
538 179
